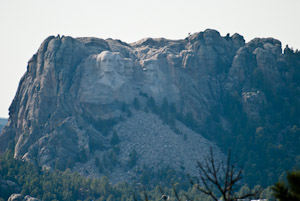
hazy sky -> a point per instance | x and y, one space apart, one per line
25 24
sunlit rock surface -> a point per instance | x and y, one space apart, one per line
19 197
73 84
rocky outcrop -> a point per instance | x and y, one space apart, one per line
19 197
78 91
253 103
71 80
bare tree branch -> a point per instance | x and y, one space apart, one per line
176 194
214 182
145 194
134 197
161 190
187 197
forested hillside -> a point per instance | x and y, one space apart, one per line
22 177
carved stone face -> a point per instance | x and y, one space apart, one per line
119 60
151 72
128 67
106 60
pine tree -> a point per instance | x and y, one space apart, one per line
290 192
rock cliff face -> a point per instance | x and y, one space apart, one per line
79 93
2 123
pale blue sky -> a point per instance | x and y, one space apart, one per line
25 24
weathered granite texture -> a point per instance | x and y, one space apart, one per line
71 83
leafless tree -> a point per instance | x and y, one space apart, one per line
216 179
143 192
219 179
